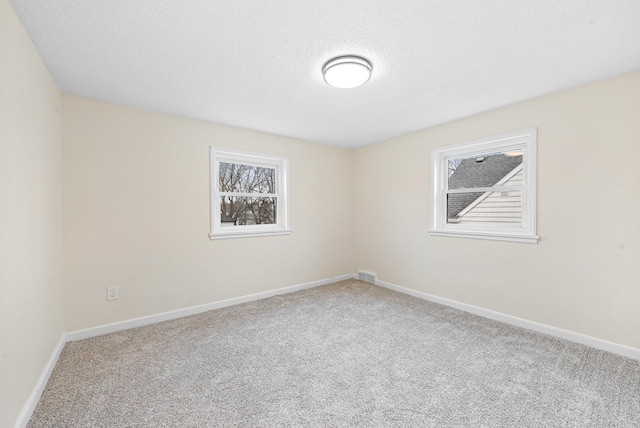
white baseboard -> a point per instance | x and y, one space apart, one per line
604 345
34 397
165 316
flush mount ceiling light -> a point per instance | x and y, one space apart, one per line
347 71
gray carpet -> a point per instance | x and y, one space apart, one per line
341 355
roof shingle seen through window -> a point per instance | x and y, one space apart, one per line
471 174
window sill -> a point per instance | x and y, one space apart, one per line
511 237
252 234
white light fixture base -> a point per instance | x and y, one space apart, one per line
347 71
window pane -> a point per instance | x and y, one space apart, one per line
483 170
239 178
240 211
488 208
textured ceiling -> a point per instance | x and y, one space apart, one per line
257 64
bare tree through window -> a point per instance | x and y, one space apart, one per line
453 164
248 194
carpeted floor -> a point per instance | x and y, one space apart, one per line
341 355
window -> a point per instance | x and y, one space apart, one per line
486 189
248 194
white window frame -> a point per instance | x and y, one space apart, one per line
281 164
525 140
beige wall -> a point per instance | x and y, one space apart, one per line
583 276
30 216
136 215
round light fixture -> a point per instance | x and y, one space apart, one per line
347 71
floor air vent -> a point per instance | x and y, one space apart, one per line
367 277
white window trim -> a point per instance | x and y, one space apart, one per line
217 155
525 140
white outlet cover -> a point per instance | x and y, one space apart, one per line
112 293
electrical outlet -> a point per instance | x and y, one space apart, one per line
339 257
112 293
